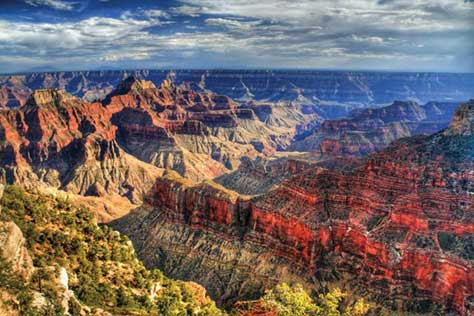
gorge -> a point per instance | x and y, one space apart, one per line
240 191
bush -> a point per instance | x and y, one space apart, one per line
108 273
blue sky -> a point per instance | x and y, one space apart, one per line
49 35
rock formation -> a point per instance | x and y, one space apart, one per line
463 122
369 130
188 128
118 147
12 245
13 248
398 227
60 141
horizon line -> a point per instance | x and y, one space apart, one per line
238 69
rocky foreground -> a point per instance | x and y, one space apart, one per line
397 227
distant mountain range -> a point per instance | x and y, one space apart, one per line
305 86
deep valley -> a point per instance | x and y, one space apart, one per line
243 180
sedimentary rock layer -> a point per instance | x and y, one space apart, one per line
121 145
369 130
399 227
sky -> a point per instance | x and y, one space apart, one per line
393 35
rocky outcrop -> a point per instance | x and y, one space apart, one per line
57 140
12 245
118 147
369 130
188 128
398 227
14 249
463 122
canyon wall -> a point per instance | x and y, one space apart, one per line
371 129
119 146
397 228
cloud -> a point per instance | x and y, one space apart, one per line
126 56
428 31
369 39
232 24
55 4
90 36
193 11
154 13
407 15
243 33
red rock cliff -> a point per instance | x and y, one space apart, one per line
401 223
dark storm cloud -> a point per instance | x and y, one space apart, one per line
369 34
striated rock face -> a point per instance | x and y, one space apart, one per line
398 228
118 147
369 130
57 140
199 135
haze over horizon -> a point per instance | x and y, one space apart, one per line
386 35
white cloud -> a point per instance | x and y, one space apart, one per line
50 37
126 56
193 11
232 24
369 39
409 15
156 14
55 4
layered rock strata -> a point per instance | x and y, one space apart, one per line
398 228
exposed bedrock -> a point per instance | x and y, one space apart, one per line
398 228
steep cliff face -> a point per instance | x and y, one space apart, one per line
307 87
200 135
57 140
118 147
398 227
369 130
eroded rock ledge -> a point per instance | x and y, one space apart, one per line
399 227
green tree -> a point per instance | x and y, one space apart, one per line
291 301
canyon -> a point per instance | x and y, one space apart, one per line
118 147
396 227
242 180
368 130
